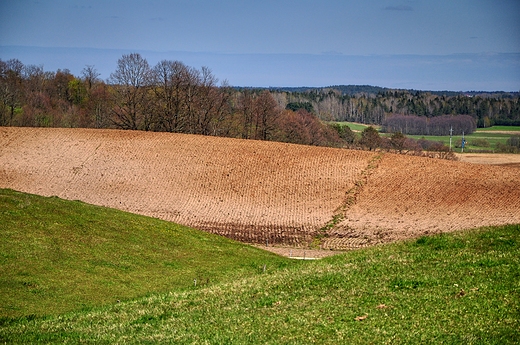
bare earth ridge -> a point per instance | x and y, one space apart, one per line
260 192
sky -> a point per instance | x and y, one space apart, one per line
457 45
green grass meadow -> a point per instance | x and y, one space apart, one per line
57 256
475 141
481 141
78 260
357 127
500 128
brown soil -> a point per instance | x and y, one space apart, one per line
511 160
410 196
260 192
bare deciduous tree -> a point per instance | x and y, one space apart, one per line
167 88
131 81
11 89
264 113
245 108
90 76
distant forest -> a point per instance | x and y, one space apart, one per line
174 97
371 105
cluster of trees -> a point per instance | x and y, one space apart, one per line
174 97
421 125
169 96
399 143
371 105
30 96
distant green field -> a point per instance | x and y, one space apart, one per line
500 128
356 126
483 139
459 288
474 141
359 127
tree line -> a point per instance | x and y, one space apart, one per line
370 105
370 139
173 97
422 125
169 96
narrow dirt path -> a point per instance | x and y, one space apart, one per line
337 234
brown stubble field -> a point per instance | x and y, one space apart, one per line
257 191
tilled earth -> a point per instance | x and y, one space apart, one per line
261 192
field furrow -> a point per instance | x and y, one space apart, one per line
259 192
248 190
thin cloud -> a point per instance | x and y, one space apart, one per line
81 7
399 8
331 52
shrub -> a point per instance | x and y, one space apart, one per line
514 141
480 142
344 132
370 138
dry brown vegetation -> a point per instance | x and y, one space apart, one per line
257 191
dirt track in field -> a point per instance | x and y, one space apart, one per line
260 192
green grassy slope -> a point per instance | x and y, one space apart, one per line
459 288
65 264
57 256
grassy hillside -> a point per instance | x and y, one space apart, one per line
461 288
483 139
57 256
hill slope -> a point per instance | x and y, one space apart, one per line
58 255
255 191
460 288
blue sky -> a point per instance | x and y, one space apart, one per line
459 45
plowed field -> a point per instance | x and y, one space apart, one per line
258 191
